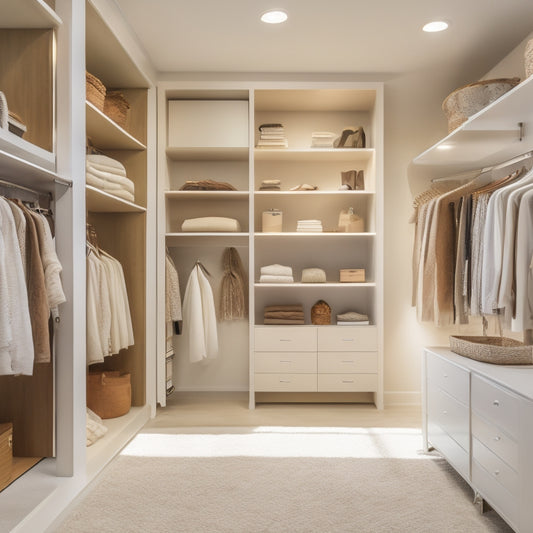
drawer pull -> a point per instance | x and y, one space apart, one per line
285 361
445 375
497 438
285 340
496 403
347 380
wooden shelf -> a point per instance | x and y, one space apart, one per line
314 193
107 134
314 154
208 153
27 14
207 239
24 150
328 285
487 138
207 195
98 201
321 235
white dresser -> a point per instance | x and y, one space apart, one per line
480 418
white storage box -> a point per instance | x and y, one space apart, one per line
208 123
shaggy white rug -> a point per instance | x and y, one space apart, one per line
287 480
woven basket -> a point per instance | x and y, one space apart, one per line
95 91
6 454
528 58
116 107
495 350
109 393
468 100
321 314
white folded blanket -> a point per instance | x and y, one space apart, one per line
211 224
124 182
276 279
276 270
107 168
110 188
100 159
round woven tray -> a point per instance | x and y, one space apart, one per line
495 350
95 91
528 58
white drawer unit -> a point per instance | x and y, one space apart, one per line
285 383
285 339
347 362
294 362
347 338
347 382
479 416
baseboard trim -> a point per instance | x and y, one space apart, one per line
214 388
394 398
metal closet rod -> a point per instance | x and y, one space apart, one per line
22 188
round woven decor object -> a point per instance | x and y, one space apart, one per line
468 100
116 107
495 350
321 314
528 58
95 91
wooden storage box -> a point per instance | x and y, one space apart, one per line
6 454
208 123
109 393
352 275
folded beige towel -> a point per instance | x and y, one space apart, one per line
295 307
276 270
276 279
279 321
211 224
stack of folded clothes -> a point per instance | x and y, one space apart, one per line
109 176
207 185
284 314
311 226
352 319
322 139
272 136
270 185
276 274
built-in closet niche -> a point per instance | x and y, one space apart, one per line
213 146
120 225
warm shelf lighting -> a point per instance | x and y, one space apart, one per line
275 16
444 147
437 25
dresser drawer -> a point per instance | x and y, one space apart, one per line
285 383
285 339
347 382
495 440
496 405
457 456
495 467
286 362
347 362
347 338
448 377
452 416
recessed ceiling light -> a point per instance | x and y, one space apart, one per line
274 16
437 25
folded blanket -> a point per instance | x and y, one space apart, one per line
279 321
276 270
276 279
313 275
207 185
286 315
115 179
107 168
211 224
351 316
107 161
109 188
296 307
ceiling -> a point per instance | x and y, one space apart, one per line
336 36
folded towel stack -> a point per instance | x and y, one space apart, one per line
270 185
310 226
211 224
207 185
272 136
276 274
352 318
322 139
109 176
284 315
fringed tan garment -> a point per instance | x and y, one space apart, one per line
234 293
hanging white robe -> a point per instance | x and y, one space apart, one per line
199 318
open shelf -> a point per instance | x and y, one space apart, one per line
328 285
313 193
102 202
324 234
240 153
313 154
206 239
106 133
24 150
27 14
207 195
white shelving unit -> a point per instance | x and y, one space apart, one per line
28 14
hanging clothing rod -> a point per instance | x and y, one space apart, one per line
470 174
22 188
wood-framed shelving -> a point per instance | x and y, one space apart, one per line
28 14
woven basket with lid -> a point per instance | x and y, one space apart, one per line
321 314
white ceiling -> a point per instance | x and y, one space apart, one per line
335 36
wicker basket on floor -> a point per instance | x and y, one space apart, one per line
95 91
116 107
495 350
321 314
109 393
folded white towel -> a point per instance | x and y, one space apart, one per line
108 168
211 224
110 188
115 179
105 160
276 279
276 270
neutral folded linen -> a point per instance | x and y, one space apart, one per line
276 270
294 307
359 323
114 179
279 321
108 168
286 315
351 316
211 224
276 279
109 188
101 159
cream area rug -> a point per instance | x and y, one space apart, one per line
289 480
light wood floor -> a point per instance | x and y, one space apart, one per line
194 409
